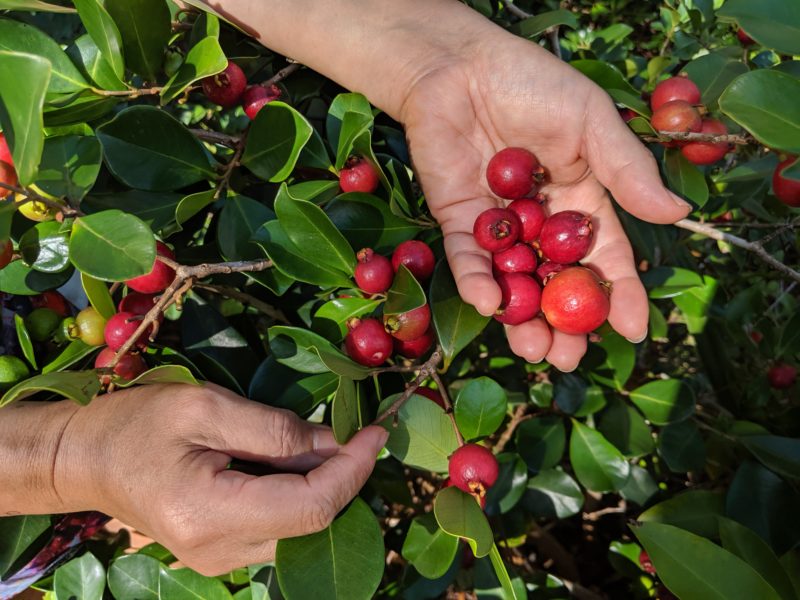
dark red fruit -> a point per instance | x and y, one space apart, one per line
136 303
566 236
677 116
121 327
415 348
225 88
54 301
6 253
782 376
409 325
473 469
707 153
786 190
434 395
417 257
627 114
520 258
358 175
159 278
514 173
756 336
744 39
522 298
367 342
674 88
256 97
374 273
531 216
547 269
8 176
576 301
497 229
5 151
129 367
647 564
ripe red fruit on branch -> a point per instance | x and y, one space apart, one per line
674 88
575 300
358 175
782 376
159 277
497 229
54 301
5 151
786 190
121 327
225 88
744 39
8 174
6 253
706 153
409 325
436 397
473 469
566 236
627 114
522 298
367 342
676 116
129 367
256 97
373 272
531 216
137 303
415 348
417 258
647 564
520 258
514 173
547 269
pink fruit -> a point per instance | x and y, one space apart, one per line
416 256
129 367
514 173
521 298
415 348
121 327
225 88
436 397
473 469
576 301
531 216
409 325
520 258
358 175
497 229
782 376
374 273
676 116
159 278
707 153
786 190
547 269
367 342
256 97
566 236
674 88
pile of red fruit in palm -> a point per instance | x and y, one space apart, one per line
229 88
534 255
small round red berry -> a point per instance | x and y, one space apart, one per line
374 273
225 88
786 190
707 153
676 116
129 367
547 269
89 327
744 39
54 301
415 348
521 298
781 376
756 336
576 301
520 258
417 258
647 564
409 325
435 396
514 173
566 236
159 277
137 303
121 327
256 97
627 114
367 342
6 253
497 229
473 469
358 175
531 216
5 151
675 88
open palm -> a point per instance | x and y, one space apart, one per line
513 93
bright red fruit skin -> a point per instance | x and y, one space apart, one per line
436 397
159 278
786 190
416 256
647 564
520 258
54 301
368 343
566 236
225 88
121 327
547 269
374 273
6 253
522 298
256 97
706 153
473 469
575 301
137 303
497 229
8 176
676 116
358 175
514 173
531 216
409 325
744 39
675 88
415 348
782 376
5 151
129 367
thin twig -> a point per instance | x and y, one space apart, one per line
683 136
516 10
244 298
31 196
426 369
754 247
518 416
216 137
555 43
281 75
225 181
448 406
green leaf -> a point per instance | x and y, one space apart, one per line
145 29
459 514
85 53
34 5
348 410
428 547
98 295
456 322
23 81
368 222
480 408
17 278
664 401
694 511
623 426
45 247
80 386
763 102
162 374
692 567
342 104
112 246
509 590
424 436
612 81
344 560
25 340
276 138
641 486
696 303
533 26
712 73
185 583
17 534
332 317
104 32
405 295
155 209
510 485
134 577
553 493
618 359
83 577
541 441
74 352
780 454
668 282
204 59
681 446
277 385
772 23
598 465
684 178
147 149
307 352
69 166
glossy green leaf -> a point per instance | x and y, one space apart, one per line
145 29
17 534
510 485
185 583
510 591
162 374
428 547
45 247
348 410
668 282
104 32
459 514
69 166
541 441
342 104
480 408
696 303
98 295
17 278
612 81
25 340
85 53
405 295
618 359
134 577
781 454
598 465
345 560
277 385
73 353
641 486
331 318
37 5
368 222
684 178
112 246
356 127
83 577
204 59
681 446
533 26
694 511
623 426
553 493
276 138
308 352
712 73
664 401
772 23
157 209
80 386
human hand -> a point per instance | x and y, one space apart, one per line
156 457
505 91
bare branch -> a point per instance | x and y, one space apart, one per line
516 10
31 196
683 136
426 369
216 137
281 75
225 180
518 416
244 298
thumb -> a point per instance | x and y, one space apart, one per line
627 168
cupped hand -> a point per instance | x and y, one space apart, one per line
157 458
505 91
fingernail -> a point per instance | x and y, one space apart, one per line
325 444
680 201
639 339
569 370
381 440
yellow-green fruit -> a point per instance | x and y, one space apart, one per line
12 371
38 211
90 326
41 323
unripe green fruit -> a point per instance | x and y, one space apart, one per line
12 371
41 323
66 331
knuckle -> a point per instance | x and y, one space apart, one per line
320 515
285 432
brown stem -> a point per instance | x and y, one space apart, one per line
683 136
216 137
31 196
516 10
555 44
225 181
448 406
259 305
518 416
282 74
426 369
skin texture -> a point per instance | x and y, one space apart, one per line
574 301
374 273
496 229
566 236
417 347
531 215
785 189
473 469
367 343
675 88
513 173
159 278
417 257
705 153
409 325
358 175
520 258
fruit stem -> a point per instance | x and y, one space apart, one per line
426 369
448 406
